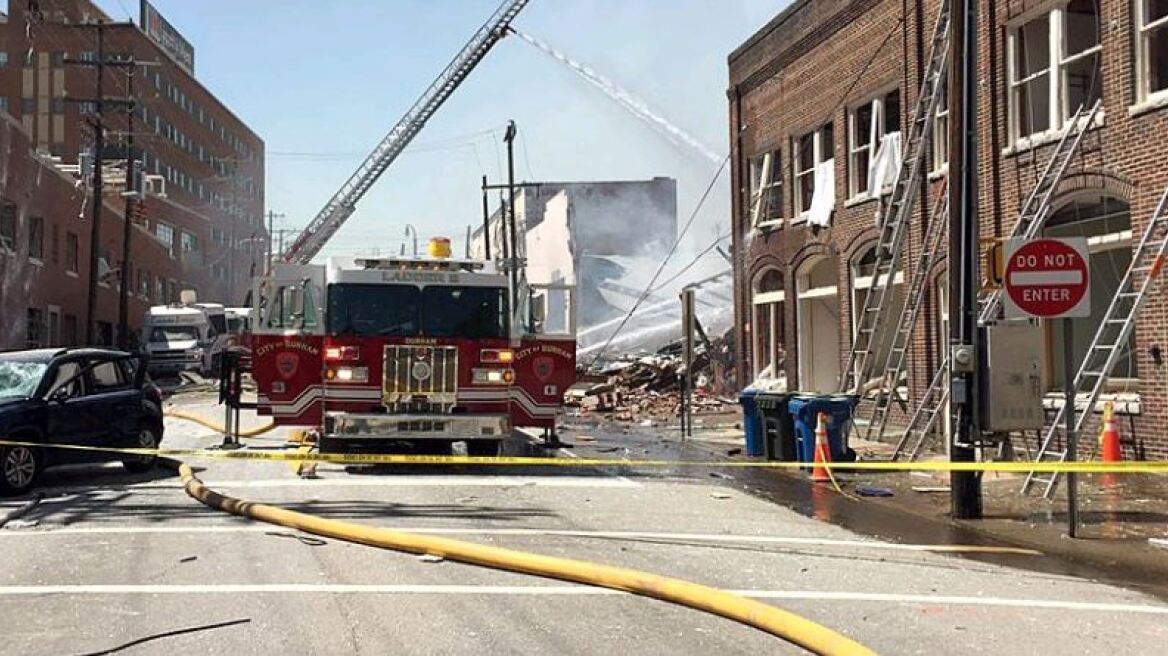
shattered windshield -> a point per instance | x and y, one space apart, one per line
18 380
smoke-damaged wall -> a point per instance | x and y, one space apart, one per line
602 236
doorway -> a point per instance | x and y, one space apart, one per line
817 308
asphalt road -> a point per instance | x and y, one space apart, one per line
109 561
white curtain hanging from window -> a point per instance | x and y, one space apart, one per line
823 200
882 172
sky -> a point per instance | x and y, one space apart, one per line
323 82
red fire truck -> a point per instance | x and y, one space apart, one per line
427 351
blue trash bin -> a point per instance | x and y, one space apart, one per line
751 424
805 409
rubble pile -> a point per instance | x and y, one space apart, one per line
635 388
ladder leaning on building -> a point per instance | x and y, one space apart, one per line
895 223
1035 211
1103 353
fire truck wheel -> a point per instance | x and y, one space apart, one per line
483 448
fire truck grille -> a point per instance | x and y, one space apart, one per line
420 374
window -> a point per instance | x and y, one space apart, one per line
765 202
67 378
810 150
1053 68
35 328
941 132
3 58
867 126
36 237
107 377
767 325
72 252
55 244
190 242
105 333
159 290
143 283
7 226
69 338
1151 49
4 103
165 233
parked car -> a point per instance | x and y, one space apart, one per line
90 397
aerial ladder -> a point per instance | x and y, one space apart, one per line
1036 209
343 203
895 224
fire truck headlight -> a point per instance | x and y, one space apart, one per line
348 374
493 376
499 356
336 353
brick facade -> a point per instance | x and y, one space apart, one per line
204 167
817 60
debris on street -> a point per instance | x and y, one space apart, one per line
647 387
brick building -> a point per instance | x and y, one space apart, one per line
203 170
818 92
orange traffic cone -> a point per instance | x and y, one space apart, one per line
1109 439
819 473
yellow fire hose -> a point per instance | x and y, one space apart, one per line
788 626
251 432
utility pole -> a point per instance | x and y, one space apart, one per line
98 122
486 225
965 487
513 265
272 216
133 197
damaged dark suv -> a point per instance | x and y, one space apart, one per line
88 397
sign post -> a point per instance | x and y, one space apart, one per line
1049 279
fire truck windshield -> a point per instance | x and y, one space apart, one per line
407 311
384 310
470 312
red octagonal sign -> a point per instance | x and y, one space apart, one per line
1047 278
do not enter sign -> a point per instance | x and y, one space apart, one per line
1047 278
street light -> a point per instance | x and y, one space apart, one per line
411 230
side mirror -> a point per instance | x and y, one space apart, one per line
60 395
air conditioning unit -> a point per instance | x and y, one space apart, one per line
155 185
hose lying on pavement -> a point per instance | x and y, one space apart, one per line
251 432
788 626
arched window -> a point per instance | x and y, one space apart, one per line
768 305
1106 223
863 272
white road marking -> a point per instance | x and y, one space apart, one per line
562 590
528 532
387 481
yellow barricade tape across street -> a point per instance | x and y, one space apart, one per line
1139 467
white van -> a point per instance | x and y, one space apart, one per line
176 338
220 338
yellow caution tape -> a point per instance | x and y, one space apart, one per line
1140 467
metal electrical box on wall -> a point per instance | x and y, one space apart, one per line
1011 376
